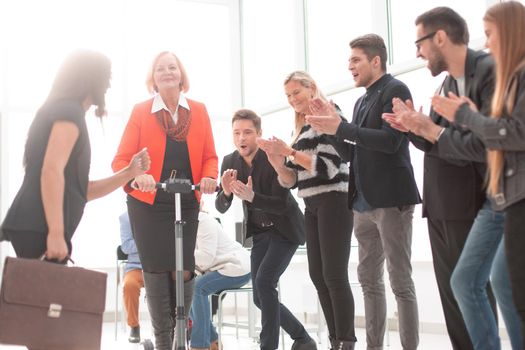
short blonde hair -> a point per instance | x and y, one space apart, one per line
150 82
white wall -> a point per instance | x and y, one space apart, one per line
233 59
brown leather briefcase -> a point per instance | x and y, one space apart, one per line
51 306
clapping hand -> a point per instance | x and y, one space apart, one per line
243 191
324 118
274 146
227 178
448 106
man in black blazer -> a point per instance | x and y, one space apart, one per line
452 188
382 190
274 221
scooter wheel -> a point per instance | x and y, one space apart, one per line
148 344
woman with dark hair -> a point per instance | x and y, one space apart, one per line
177 132
502 133
49 205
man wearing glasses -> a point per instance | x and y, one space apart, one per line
452 189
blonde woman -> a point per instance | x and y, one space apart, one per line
321 176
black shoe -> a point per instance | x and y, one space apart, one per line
134 335
309 345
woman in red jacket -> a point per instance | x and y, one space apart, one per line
178 135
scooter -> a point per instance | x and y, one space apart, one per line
177 186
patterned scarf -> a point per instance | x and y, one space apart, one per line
179 131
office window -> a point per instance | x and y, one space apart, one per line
272 38
404 14
329 32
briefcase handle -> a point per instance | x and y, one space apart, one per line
64 262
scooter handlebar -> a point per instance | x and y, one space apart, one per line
179 186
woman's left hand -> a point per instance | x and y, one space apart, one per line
274 146
208 185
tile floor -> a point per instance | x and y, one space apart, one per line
230 342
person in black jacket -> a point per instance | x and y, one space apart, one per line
465 251
502 133
274 221
382 190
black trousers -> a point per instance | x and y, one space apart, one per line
515 251
329 225
270 256
447 238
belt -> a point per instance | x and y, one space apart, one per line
264 224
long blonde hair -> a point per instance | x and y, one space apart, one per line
509 19
308 82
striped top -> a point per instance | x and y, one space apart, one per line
329 171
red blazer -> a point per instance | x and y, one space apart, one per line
143 130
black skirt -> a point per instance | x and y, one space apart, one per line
154 233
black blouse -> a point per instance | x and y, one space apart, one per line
27 212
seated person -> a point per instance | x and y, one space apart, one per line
133 280
223 264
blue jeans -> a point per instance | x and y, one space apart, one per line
203 332
270 256
483 256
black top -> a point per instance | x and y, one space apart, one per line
454 166
386 177
258 220
26 212
176 157
360 204
275 201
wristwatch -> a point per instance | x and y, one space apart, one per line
291 157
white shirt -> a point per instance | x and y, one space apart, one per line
216 251
158 105
461 85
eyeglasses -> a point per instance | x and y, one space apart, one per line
424 37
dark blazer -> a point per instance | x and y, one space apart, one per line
383 159
454 167
274 200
